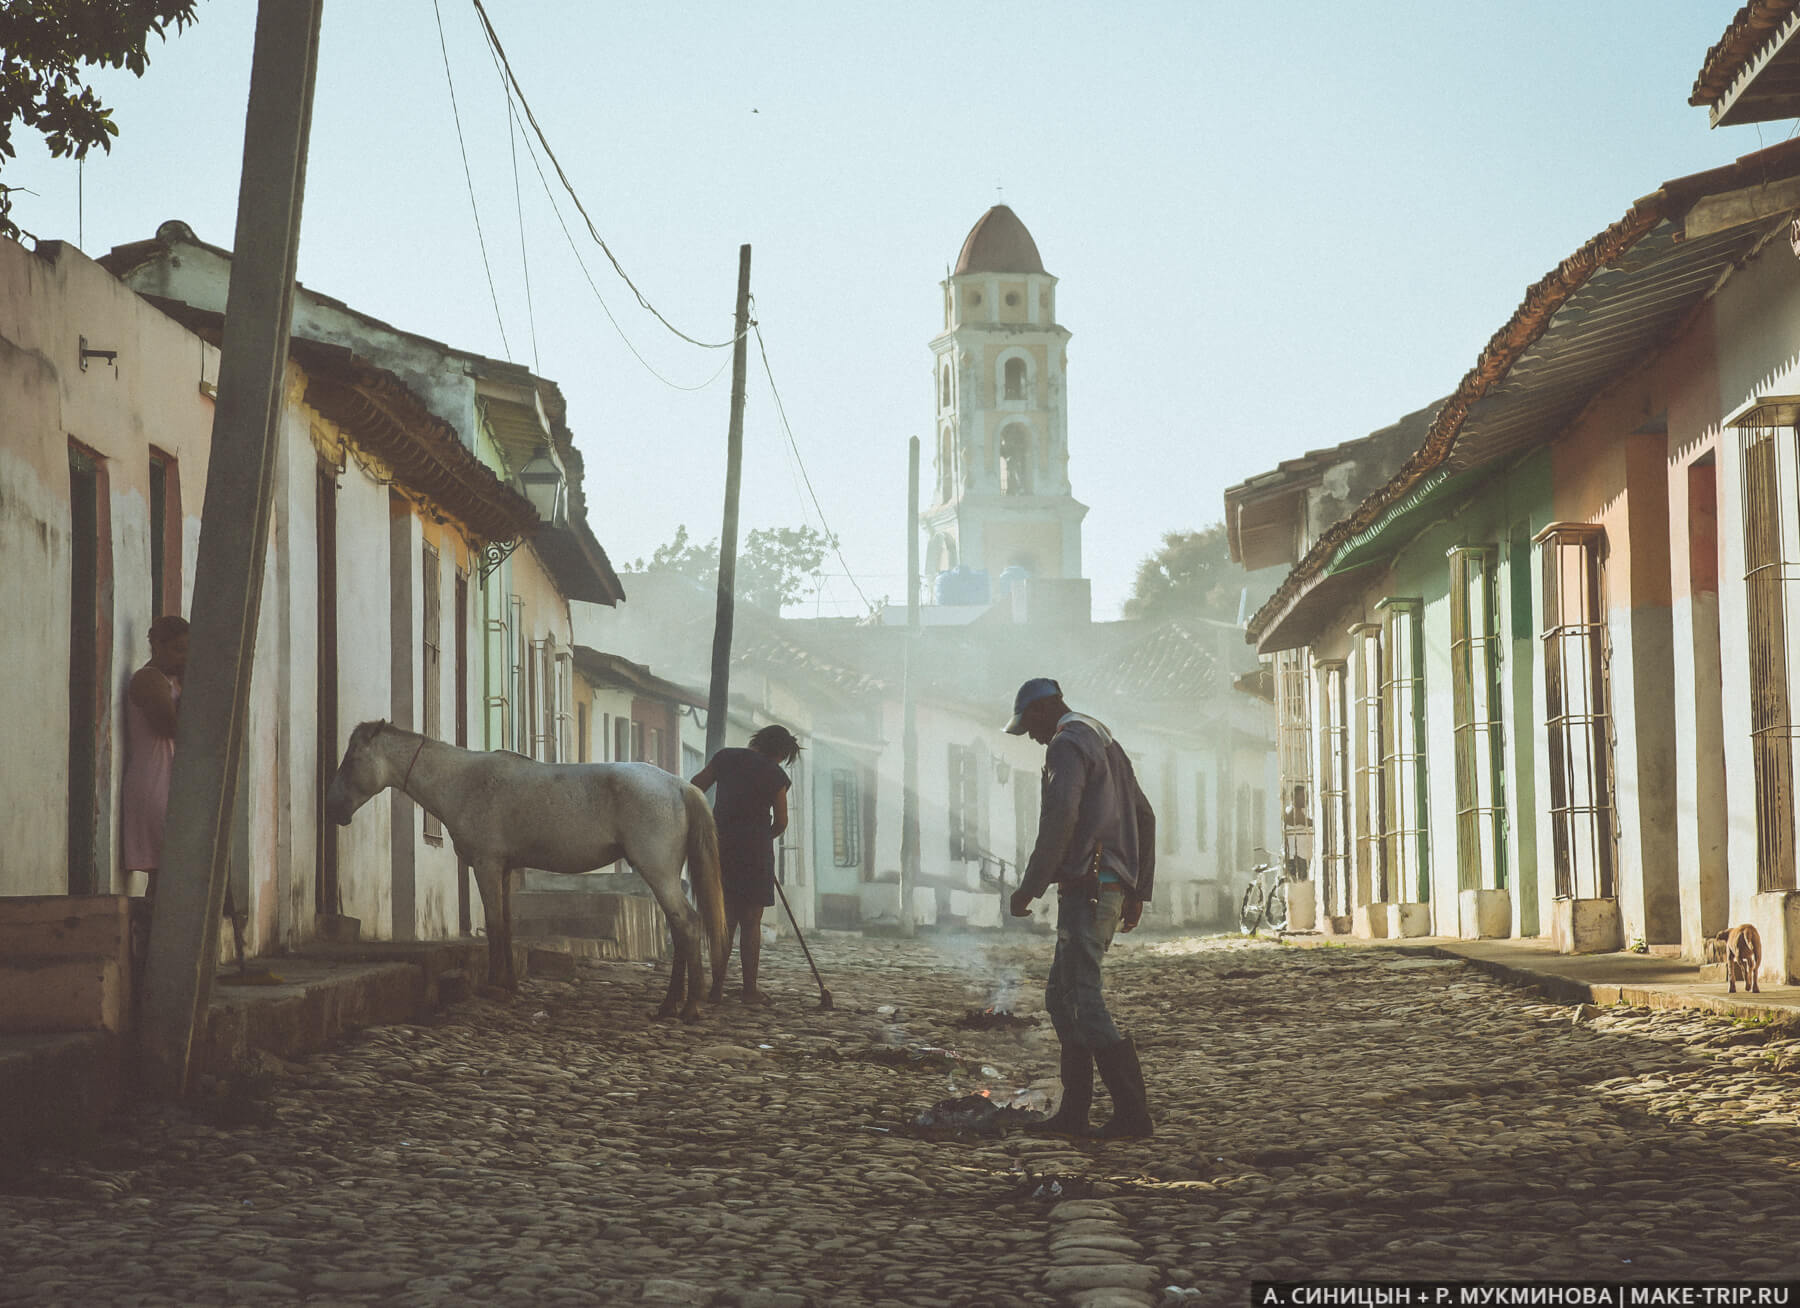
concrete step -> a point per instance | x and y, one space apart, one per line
57 1089
72 992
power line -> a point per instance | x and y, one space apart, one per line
781 409
588 276
469 180
512 139
500 52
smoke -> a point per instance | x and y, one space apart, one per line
1001 980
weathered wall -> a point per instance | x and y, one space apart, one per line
48 301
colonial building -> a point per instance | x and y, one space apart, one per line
1543 670
1003 509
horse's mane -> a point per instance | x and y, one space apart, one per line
367 731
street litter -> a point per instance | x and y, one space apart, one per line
981 1113
994 1019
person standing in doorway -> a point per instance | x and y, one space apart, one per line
152 705
1097 844
750 809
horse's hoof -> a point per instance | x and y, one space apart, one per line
664 1013
690 1015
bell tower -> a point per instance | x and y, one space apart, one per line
1000 497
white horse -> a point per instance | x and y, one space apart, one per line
505 812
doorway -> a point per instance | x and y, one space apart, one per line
84 681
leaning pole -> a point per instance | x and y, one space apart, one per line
234 535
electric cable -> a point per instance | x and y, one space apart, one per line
781 409
500 52
469 180
588 276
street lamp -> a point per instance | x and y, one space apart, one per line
542 482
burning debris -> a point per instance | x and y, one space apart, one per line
994 1019
979 1114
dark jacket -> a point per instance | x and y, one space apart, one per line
1091 800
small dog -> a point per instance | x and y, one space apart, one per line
1742 949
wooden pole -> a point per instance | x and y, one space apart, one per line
909 739
234 535
719 692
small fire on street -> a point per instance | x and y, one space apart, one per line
994 1019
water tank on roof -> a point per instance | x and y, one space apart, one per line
962 585
1014 575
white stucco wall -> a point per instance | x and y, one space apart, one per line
48 302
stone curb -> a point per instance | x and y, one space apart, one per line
1572 990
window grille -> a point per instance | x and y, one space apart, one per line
846 818
965 804
1246 830
1026 801
1476 720
1369 793
520 717
1770 573
496 672
1293 709
1403 743
565 701
1334 788
1169 820
790 853
1577 720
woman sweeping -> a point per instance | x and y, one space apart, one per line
750 809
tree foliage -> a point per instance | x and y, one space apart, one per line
776 566
44 47
1192 575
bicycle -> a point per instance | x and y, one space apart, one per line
1265 898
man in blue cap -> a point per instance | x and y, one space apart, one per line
1097 843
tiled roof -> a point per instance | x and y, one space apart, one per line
1744 38
1616 297
598 668
1168 665
389 421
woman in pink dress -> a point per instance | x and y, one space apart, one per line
151 706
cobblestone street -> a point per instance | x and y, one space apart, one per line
1328 1112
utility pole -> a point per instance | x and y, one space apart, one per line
234 537
719 692
909 738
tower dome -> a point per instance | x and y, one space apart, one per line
999 243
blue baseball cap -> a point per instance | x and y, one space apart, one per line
1030 693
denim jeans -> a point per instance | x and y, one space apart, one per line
1084 932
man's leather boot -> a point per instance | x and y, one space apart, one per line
1071 1117
1125 1083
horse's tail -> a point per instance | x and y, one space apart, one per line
703 871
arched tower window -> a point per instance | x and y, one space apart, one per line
946 468
944 391
1014 376
1015 461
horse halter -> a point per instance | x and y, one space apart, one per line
409 766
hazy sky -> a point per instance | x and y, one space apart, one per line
1276 227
